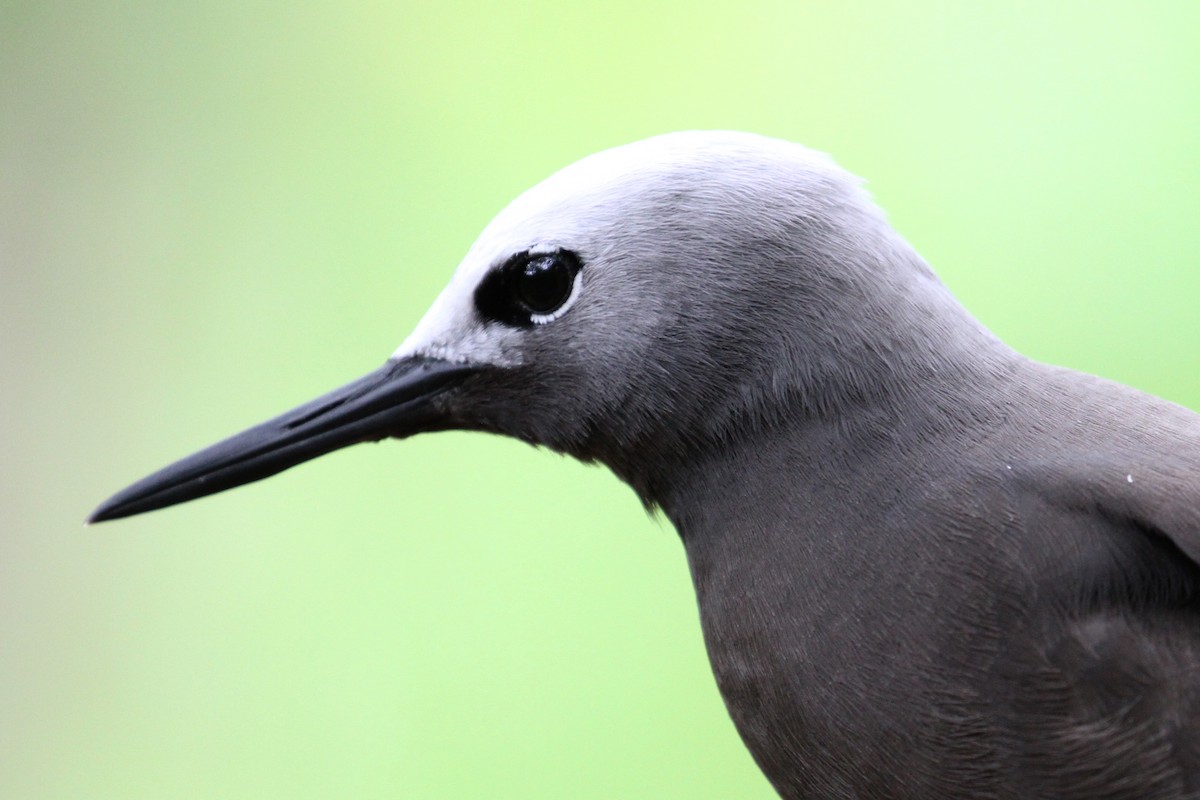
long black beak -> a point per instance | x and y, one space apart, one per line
394 400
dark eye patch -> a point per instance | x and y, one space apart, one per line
528 286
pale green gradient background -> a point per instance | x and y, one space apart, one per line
210 214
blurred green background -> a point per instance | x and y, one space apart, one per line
211 212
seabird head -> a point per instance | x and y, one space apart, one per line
638 307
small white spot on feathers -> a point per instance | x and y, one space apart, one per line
1129 478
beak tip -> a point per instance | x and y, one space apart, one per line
104 512
115 507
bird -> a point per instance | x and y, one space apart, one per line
926 565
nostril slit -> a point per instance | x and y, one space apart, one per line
316 412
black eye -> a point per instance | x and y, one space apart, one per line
529 288
544 284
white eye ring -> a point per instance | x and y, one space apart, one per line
543 319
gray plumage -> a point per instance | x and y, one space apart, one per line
927 566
